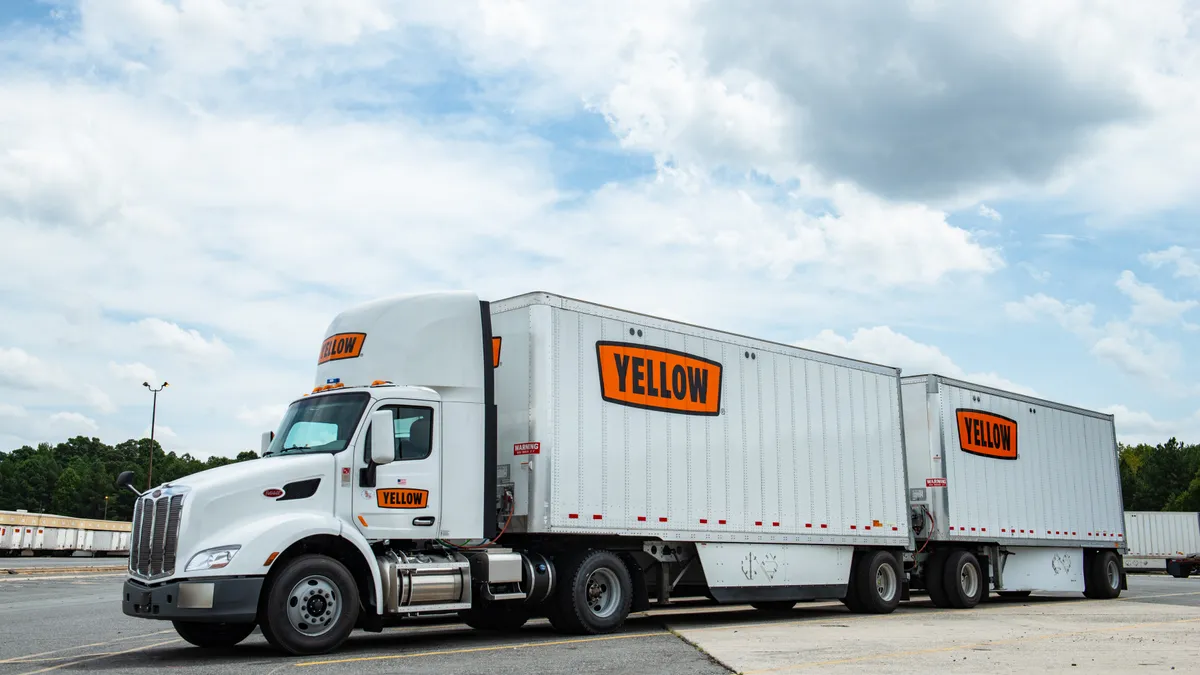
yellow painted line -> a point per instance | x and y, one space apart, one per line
974 645
494 648
51 659
94 644
98 657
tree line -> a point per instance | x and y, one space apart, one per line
1163 477
72 478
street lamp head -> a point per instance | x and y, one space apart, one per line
164 384
146 385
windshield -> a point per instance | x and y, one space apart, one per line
321 424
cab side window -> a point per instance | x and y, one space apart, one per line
414 432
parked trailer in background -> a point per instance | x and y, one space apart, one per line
1010 493
1163 540
47 534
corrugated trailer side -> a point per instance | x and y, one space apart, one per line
1155 536
1027 482
613 423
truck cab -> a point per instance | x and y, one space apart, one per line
362 504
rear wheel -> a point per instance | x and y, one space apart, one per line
964 581
213 635
1102 578
595 595
311 607
877 582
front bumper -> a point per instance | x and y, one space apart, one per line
210 600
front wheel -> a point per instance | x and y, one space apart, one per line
213 635
311 607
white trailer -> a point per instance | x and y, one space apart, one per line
1010 493
535 456
1158 538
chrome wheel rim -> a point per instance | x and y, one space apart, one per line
1114 575
313 605
885 582
968 580
602 592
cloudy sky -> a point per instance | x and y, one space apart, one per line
191 189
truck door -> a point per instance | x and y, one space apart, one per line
405 500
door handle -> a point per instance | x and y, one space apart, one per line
423 521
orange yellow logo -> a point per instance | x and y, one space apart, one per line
987 434
659 379
341 346
401 498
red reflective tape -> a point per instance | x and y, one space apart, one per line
641 519
983 529
1073 534
758 523
662 520
972 529
951 528
597 517
854 527
824 526
867 527
1003 530
1022 531
894 529
774 524
704 521
721 521
572 515
808 524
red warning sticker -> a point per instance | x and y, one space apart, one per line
527 449
935 482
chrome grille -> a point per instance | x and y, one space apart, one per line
155 534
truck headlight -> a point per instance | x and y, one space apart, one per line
212 559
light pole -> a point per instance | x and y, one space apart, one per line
106 507
153 414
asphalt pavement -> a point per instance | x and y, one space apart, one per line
74 623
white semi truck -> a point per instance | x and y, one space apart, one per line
539 456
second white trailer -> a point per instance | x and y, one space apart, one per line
1154 537
1010 493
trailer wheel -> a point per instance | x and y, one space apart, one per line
1102 577
501 617
963 578
213 635
877 582
935 578
311 607
595 595
773 605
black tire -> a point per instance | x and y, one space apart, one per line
333 597
963 580
1014 594
877 582
213 635
935 579
1102 578
584 602
773 605
501 617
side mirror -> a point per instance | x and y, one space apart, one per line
267 437
125 480
383 437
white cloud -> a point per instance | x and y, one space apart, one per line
135 373
159 333
989 213
24 372
72 423
1075 318
881 344
265 416
1149 304
162 433
1136 426
1182 259
12 411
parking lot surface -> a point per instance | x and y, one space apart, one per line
74 623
